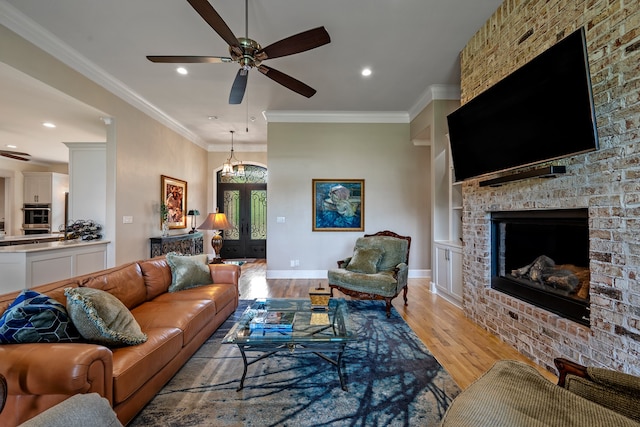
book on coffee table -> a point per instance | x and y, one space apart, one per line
273 321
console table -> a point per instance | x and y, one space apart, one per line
186 244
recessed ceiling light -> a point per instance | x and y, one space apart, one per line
212 117
366 72
182 70
48 125
11 146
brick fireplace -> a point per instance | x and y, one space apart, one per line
604 183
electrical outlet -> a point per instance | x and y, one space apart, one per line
127 220
293 263
297 263
280 220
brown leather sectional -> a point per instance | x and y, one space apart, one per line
177 324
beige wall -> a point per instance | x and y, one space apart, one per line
394 171
142 150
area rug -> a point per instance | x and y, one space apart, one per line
392 380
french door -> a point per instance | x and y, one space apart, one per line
245 205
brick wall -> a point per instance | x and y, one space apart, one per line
607 182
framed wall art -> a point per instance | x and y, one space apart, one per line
338 205
174 197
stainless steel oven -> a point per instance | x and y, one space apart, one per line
36 218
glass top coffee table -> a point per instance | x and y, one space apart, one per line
274 325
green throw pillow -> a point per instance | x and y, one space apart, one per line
188 271
365 260
102 318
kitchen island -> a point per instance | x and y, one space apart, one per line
29 239
28 265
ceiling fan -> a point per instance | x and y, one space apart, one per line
15 155
249 54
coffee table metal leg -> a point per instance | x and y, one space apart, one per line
247 363
244 372
338 365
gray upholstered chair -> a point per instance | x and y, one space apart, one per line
377 270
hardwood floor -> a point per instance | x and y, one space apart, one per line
464 349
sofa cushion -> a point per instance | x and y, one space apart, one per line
125 283
190 316
365 260
157 276
515 394
102 318
220 295
35 317
188 271
88 409
136 365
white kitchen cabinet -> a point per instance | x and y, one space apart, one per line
47 188
447 271
37 187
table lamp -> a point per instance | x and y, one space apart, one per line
193 213
216 221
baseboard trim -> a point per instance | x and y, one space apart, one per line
322 274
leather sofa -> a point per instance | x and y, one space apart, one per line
41 375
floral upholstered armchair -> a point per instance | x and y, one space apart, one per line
377 270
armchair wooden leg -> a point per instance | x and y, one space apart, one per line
404 294
388 307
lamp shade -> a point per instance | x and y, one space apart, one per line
215 221
193 212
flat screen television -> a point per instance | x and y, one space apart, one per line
541 112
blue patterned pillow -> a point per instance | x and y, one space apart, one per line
35 317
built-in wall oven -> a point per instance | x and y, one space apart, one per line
37 218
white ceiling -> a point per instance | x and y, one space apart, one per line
410 45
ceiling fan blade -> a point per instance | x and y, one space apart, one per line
15 155
215 21
190 59
304 41
287 81
239 86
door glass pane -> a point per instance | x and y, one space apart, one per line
232 210
258 214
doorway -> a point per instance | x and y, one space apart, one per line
244 201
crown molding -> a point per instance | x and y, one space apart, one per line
434 92
239 148
29 30
276 116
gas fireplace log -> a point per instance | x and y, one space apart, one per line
545 272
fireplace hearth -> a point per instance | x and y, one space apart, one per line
542 257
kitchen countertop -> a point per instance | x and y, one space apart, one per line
48 246
31 237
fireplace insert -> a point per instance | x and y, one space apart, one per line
542 257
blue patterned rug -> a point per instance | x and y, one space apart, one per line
392 379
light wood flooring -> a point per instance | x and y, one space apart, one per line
464 349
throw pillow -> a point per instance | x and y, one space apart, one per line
102 318
365 260
35 317
188 271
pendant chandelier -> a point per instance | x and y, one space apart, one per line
233 166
